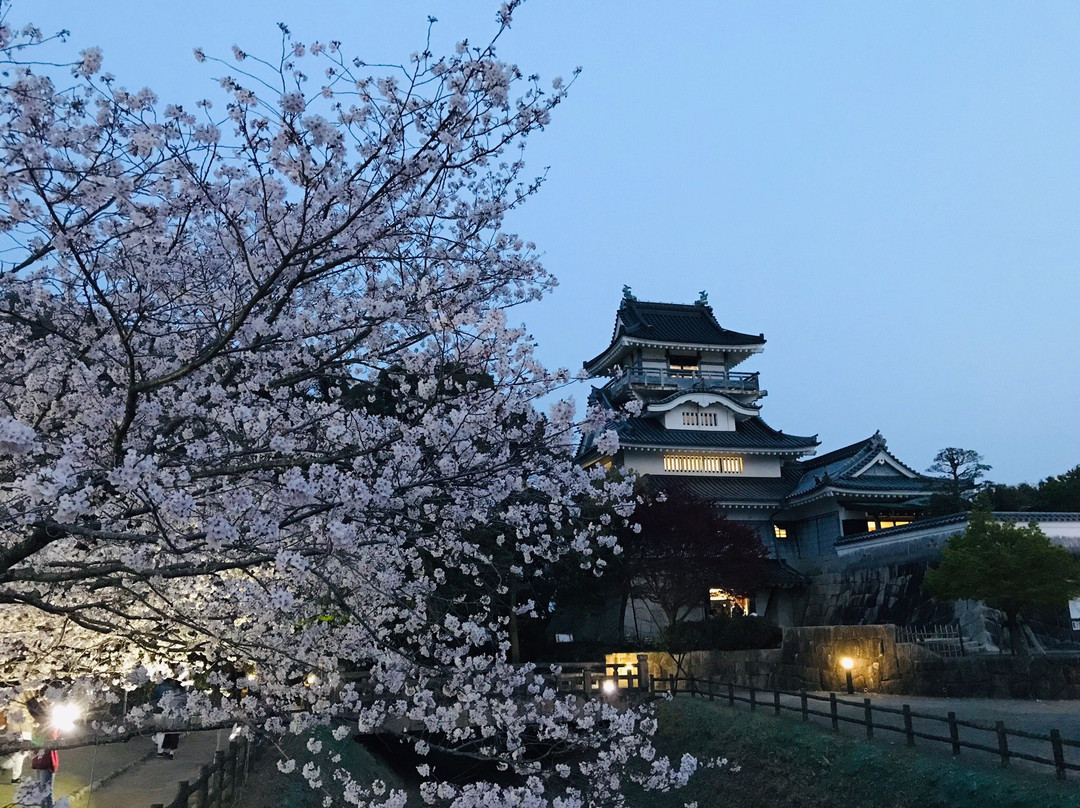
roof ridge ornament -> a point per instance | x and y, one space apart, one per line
627 293
703 298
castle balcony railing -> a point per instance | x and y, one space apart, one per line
688 380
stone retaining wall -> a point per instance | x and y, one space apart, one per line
809 659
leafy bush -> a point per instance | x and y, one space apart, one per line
691 635
744 633
720 634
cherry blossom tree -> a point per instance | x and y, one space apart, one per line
262 401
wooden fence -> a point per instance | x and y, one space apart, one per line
219 783
596 678
977 736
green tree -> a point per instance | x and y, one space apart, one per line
960 471
1060 493
1007 566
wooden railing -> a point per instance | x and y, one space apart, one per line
219 783
947 641
592 678
995 739
685 379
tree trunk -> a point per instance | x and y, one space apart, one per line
1016 634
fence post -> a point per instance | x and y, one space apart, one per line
673 683
909 731
693 685
731 694
643 671
868 715
776 701
204 786
833 713
586 681
753 698
805 709
219 777
1059 754
234 755
652 683
247 760
712 694
185 790
1003 742
954 734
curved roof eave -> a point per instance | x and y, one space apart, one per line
743 450
608 355
827 489
699 398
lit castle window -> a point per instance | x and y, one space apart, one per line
705 464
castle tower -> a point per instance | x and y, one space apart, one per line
699 429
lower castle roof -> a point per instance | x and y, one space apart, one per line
750 434
765 490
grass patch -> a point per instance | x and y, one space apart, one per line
785 763
267 787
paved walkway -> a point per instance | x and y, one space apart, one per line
126 775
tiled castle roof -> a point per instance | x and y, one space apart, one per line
723 490
679 323
958 520
837 469
749 434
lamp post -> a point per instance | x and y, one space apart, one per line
847 663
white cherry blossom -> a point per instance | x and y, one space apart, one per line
268 428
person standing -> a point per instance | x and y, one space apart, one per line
18 721
46 763
167 742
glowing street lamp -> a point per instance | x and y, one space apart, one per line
64 715
609 687
847 663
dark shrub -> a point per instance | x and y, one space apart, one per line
691 635
720 634
744 633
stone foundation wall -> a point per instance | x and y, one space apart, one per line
809 659
842 594
879 591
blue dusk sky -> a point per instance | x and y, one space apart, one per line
890 192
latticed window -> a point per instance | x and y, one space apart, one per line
698 418
704 464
